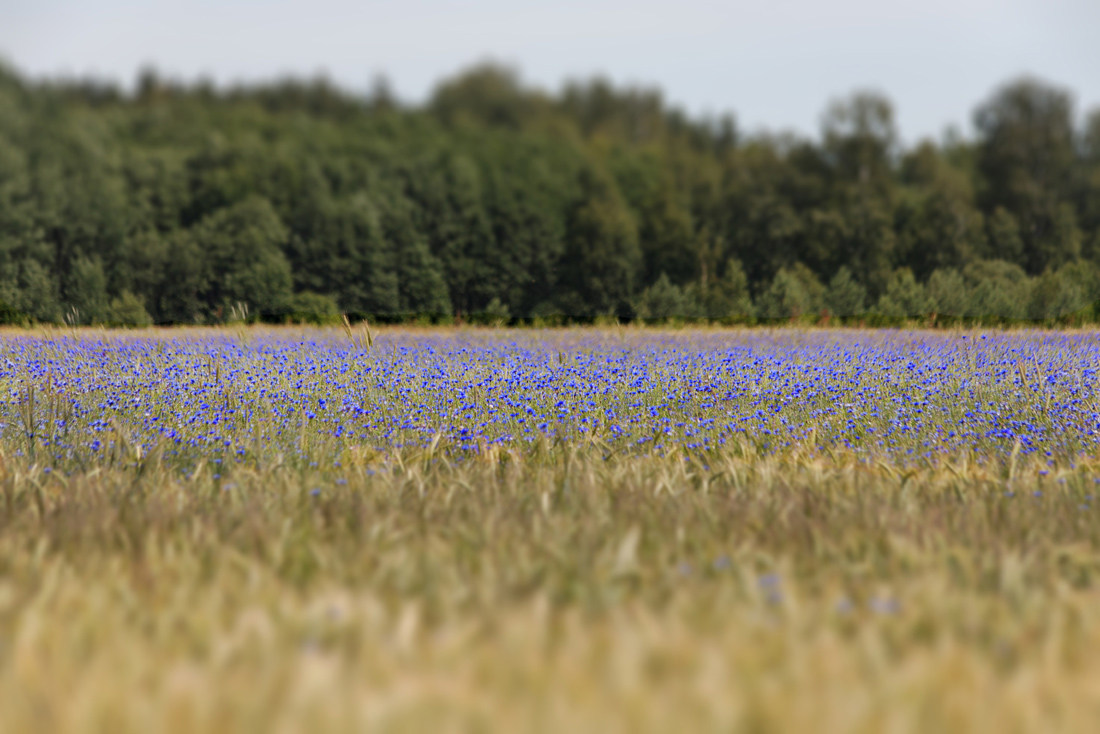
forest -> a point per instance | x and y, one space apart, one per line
185 203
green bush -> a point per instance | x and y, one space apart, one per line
494 313
10 316
904 297
313 308
728 298
794 292
845 297
128 310
662 300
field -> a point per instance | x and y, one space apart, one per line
623 529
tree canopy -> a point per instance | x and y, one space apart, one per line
188 204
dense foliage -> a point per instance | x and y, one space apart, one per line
188 204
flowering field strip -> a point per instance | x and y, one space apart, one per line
594 530
878 395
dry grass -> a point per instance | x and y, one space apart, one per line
573 595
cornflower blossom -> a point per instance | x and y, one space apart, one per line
911 397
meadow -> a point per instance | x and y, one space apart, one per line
618 529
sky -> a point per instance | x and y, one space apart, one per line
775 64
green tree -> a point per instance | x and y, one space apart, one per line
37 294
313 308
498 197
1026 156
1084 276
1053 295
1004 237
729 296
845 296
870 245
421 286
827 236
996 288
602 257
941 231
667 239
904 297
860 141
242 250
86 292
662 300
128 310
947 293
1088 190
181 296
488 94
793 292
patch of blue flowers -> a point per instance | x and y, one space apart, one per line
911 396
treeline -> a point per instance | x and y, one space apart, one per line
189 204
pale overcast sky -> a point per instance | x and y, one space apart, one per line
775 64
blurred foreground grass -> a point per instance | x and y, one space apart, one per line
551 592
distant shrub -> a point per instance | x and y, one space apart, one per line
947 293
495 313
904 297
662 300
845 296
313 308
996 290
794 292
11 316
128 310
1053 295
729 298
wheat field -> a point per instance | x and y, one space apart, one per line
627 529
